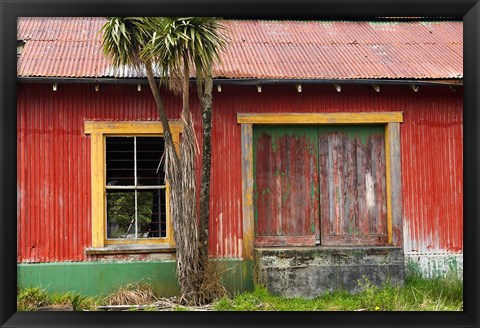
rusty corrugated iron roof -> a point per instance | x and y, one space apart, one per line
71 47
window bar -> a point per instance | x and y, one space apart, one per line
135 177
136 225
138 187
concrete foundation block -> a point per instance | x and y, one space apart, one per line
312 271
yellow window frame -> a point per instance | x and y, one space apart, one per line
98 130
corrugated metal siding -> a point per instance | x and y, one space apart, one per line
432 174
53 163
54 166
53 180
71 47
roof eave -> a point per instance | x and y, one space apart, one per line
245 81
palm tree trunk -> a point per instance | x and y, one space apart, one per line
186 88
187 226
205 95
167 133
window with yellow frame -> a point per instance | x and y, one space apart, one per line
130 197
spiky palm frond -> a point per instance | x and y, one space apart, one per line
199 39
123 38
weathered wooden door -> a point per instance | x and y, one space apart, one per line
286 185
352 185
323 183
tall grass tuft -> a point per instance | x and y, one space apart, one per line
30 299
34 298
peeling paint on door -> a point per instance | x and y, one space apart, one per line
334 188
286 175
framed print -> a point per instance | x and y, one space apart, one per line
224 164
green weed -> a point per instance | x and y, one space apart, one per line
418 294
33 298
29 299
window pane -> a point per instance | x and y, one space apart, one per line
151 213
139 213
120 157
120 213
150 172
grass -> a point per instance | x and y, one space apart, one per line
418 294
34 298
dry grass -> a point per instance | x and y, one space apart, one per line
139 293
211 287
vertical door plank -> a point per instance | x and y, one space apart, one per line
352 185
286 185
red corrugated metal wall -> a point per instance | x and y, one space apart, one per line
431 147
53 158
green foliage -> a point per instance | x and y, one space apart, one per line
121 210
261 300
33 298
121 207
197 38
375 298
447 290
163 41
29 299
418 294
124 37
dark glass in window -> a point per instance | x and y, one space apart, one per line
150 168
120 161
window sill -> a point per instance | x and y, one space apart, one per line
130 249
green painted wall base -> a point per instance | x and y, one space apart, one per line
96 278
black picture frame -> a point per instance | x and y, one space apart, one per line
274 9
